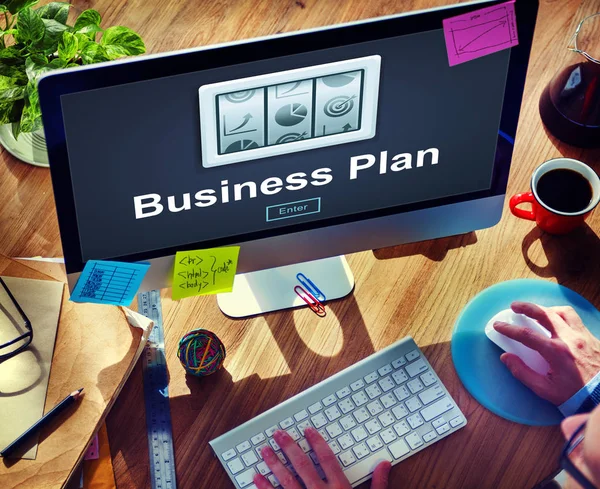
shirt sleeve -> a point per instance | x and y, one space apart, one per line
584 400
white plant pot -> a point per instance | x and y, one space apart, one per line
30 147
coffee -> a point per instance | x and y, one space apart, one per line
564 190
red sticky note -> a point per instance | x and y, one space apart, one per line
476 34
93 451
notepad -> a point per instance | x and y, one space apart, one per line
109 282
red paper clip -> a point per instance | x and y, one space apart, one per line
315 305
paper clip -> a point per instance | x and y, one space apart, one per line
314 304
310 286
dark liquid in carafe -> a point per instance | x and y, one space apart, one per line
564 190
570 105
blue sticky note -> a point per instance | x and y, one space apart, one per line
109 282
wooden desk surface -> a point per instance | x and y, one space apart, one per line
416 289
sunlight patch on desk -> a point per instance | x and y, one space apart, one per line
323 336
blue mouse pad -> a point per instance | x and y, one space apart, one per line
477 359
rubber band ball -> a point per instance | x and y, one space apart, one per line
201 352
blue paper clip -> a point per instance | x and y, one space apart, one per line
310 287
311 300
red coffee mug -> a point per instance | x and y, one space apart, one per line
551 220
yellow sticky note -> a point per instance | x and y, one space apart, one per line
202 272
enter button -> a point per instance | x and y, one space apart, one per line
294 209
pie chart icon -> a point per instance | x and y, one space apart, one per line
291 114
241 145
337 81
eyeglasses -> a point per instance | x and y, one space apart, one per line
15 315
566 459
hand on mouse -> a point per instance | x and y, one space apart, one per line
572 352
305 468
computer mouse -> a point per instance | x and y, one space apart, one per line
530 357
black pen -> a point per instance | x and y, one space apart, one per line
61 406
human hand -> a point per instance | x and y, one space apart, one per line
572 352
305 468
586 457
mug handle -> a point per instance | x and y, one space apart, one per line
517 199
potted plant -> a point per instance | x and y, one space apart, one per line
37 41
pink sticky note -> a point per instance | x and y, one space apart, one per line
476 34
93 451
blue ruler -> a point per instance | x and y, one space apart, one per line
156 396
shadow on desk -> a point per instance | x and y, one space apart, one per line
434 249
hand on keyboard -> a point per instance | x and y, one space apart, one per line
305 469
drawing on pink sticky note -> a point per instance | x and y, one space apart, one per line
93 451
479 33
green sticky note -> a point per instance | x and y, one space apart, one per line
203 272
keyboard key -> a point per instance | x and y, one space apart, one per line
355 386
259 449
416 368
359 433
443 429
438 422
400 376
304 445
347 422
399 449
415 386
329 400
228 455
401 393
427 437
401 428
373 426
235 466
386 419
302 426
431 394
345 441
335 448
386 369
270 431
301 415
263 468
312 409
388 436
243 446
324 435
249 458
374 443
343 392
414 440
346 406
333 413
360 398
413 404
245 478
415 421
386 384
293 432
400 411
281 457
274 445
372 377
361 450
373 391
366 465
361 415
286 423
412 355
319 420
273 480
399 362
388 400
334 430
456 422
428 378
347 458
256 439
375 408
437 408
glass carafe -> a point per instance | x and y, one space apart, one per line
570 104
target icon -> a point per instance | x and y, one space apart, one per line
239 97
339 106
291 137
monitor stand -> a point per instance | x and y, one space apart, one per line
273 289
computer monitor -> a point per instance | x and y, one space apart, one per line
297 147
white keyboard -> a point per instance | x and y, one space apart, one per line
388 406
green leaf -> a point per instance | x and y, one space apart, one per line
15 6
90 31
31 117
36 66
52 36
30 26
87 17
11 111
67 46
121 41
15 72
93 53
58 11
10 93
11 55
16 129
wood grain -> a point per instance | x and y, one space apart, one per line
417 289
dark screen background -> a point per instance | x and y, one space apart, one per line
144 137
